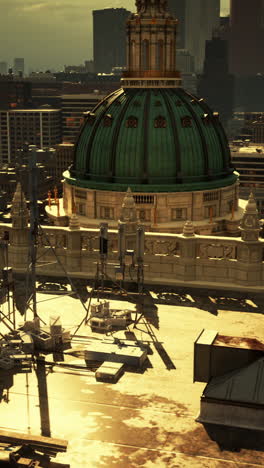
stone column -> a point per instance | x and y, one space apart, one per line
74 247
187 266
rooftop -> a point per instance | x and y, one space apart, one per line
146 419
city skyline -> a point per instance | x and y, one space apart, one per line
60 30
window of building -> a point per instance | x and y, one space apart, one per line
106 212
160 122
81 209
108 119
186 121
132 122
210 211
178 214
145 54
160 55
144 215
206 119
141 199
90 117
210 196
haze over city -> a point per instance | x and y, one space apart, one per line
61 30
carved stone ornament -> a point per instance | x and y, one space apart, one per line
218 251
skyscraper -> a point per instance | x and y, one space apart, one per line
216 84
197 21
19 66
109 38
246 37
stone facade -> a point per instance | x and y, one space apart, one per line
212 211
169 259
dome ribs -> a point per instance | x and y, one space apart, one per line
145 145
110 98
189 106
221 135
112 162
175 136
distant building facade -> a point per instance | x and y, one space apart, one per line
248 159
73 106
197 21
216 84
246 37
40 127
19 66
109 38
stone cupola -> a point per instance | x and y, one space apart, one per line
151 47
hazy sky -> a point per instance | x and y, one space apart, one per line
51 33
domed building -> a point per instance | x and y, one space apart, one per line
168 146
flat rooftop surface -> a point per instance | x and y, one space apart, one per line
146 419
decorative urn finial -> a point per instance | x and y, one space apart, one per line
188 229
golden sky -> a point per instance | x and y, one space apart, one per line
51 33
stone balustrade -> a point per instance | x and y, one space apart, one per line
170 259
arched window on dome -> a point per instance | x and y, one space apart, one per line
186 121
160 122
145 55
108 120
160 55
132 122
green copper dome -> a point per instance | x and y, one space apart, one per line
153 140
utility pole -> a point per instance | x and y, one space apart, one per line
33 230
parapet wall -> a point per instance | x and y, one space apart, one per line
170 259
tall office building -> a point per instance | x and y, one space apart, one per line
197 21
40 127
246 37
3 68
109 38
19 66
216 84
73 106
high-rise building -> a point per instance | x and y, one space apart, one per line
40 127
197 21
3 68
73 106
109 38
246 37
19 66
216 84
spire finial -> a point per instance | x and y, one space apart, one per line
19 211
128 210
